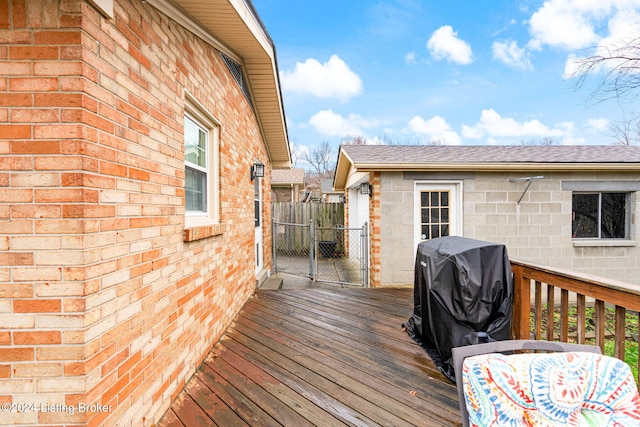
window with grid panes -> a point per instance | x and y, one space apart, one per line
434 214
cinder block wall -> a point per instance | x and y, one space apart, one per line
101 300
538 230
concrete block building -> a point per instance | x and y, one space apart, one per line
573 207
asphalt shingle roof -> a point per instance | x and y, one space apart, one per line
287 176
360 154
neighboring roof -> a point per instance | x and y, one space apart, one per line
369 158
326 186
287 176
234 27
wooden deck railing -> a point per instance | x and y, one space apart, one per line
589 309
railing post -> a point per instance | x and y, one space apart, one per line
312 249
365 254
274 244
521 304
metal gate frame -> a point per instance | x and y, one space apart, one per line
309 251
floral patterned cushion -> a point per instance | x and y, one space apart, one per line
550 389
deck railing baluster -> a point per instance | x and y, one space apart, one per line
600 320
551 304
620 335
538 317
580 319
601 292
564 315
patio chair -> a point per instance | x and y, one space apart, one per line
528 382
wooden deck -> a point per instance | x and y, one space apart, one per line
321 356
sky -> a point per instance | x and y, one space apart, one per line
456 72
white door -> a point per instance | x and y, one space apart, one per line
358 208
438 209
257 185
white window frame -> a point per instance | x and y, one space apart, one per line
628 214
199 114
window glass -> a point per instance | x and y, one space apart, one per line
196 190
613 219
600 216
196 166
434 207
585 216
257 202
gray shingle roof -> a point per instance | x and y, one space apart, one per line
287 176
361 154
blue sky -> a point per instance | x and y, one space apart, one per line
456 71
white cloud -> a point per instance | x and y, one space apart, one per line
599 124
574 24
445 44
493 125
572 66
300 151
328 123
565 24
436 129
333 79
623 31
510 54
410 58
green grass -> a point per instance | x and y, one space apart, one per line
631 331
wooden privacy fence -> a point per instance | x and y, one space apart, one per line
325 216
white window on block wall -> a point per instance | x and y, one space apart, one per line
601 215
201 164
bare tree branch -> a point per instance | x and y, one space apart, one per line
321 160
619 71
621 66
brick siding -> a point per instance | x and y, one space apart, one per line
102 301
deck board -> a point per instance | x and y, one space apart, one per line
320 356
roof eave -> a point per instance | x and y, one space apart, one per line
233 27
343 166
494 167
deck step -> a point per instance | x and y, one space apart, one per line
271 283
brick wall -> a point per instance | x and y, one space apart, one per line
375 227
101 300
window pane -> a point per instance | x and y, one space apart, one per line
425 232
444 198
195 149
613 216
435 217
585 216
435 232
435 199
196 190
256 211
424 199
445 214
425 216
445 230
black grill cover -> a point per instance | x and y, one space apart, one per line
463 290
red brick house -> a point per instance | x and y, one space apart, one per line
131 228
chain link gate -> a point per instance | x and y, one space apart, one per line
324 254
